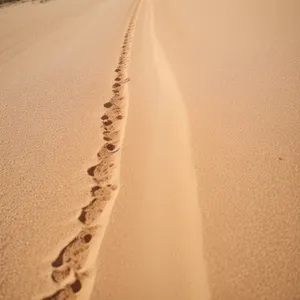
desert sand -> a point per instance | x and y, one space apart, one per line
150 150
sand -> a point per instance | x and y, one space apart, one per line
150 150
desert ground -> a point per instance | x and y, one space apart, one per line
150 150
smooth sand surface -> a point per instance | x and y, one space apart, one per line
150 150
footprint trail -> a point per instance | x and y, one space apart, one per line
69 268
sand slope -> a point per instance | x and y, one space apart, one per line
239 75
150 150
52 95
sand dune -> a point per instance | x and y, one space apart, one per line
149 150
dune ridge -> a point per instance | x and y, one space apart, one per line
156 233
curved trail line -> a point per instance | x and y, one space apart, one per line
73 265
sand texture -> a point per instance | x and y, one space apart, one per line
150 149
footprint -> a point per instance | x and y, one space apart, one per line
118 91
113 120
107 150
112 124
102 172
92 211
116 85
61 274
123 64
111 147
113 136
103 193
103 153
68 292
75 253
107 122
121 83
63 294
108 104
116 101
113 106
112 127
123 59
116 108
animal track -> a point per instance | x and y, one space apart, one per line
71 260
